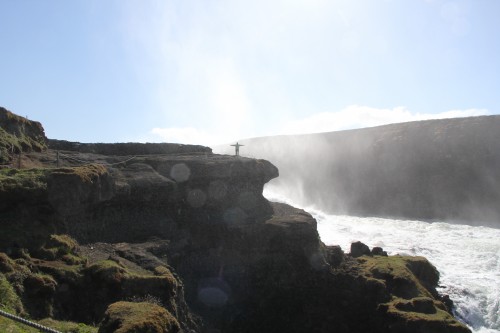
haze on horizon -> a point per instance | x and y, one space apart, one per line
214 72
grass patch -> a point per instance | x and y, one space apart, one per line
422 312
23 179
87 173
128 317
61 271
9 300
60 247
396 273
36 179
13 138
10 326
107 270
67 326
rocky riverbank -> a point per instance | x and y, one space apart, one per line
177 239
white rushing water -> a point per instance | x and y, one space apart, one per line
467 257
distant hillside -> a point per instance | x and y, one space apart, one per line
434 169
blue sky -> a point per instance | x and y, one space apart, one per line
208 72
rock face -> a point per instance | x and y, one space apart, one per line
186 242
434 169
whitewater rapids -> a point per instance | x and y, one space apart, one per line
467 257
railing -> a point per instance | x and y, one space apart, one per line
39 327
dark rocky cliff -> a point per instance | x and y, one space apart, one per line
187 243
435 169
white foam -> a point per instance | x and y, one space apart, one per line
468 257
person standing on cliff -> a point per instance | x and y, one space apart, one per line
237 148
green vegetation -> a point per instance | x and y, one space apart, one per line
129 317
18 134
61 247
410 282
397 272
86 173
9 325
107 270
68 326
9 300
14 180
422 312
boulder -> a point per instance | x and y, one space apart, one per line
378 251
359 249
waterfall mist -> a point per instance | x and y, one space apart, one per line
445 169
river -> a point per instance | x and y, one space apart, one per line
467 257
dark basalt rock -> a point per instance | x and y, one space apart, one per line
359 249
378 251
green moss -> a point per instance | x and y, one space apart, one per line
422 312
23 179
12 144
6 264
13 138
9 300
60 247
61 271
36 179
129 317
395 272
40 283
64 244
87 173
107 270
67 326
410 283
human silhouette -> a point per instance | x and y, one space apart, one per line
237 148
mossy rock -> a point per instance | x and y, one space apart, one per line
60 247
398 273
129 317
9 300
107 271
40 284
86 173
420 314
410 285
61 271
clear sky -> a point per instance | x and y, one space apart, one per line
214 71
